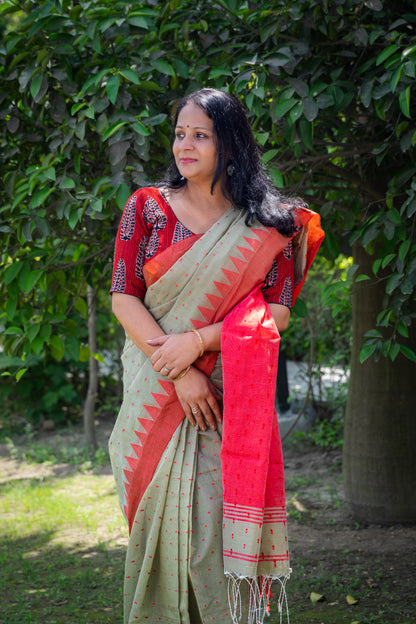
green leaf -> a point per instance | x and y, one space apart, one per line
393 282
73 218
130 75
97 205
98 357
82 307
367 350
276 177
269 155
140 128
84 353
72 347
35 85
67 183
33 331
112 87
310 108
57 347
331 243
300 308
373 333
306 133
404 102
409 353
366 92
115 127
219 71
371 232
77 162
387 259
50 173
386 53
11 306
11 331
32 278
403 249
394 80
20 373
402 329
284 106
394 351
40 196
139 21
122 195
12 272
76 107
377 265
394 216
163 67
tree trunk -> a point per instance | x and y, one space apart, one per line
379 464
89 407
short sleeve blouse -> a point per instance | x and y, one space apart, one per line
149 225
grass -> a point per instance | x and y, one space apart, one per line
63 538
61 551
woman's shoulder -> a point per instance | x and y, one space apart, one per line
143 193
149 206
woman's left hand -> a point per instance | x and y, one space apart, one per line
175 353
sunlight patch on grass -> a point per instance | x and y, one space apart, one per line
80 508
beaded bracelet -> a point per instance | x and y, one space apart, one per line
201 342
182 374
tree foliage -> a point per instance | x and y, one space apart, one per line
86 92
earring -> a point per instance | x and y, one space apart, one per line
230 169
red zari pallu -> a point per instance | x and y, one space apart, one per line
197 282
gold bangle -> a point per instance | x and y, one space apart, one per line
182 374
201 342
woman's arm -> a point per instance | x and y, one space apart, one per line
137 321
281 315
177 351
194 389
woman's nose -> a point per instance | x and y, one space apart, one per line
187 142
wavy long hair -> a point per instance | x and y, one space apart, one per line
239 171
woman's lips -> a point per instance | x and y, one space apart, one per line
187 161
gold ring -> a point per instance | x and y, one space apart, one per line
195 410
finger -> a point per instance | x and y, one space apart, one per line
199 417
159 340
188 414
215 408
159 364
208 415
154 357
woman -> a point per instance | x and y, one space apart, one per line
195 450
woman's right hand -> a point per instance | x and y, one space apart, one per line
199 399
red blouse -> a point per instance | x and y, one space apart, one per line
149 225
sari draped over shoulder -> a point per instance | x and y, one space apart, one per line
203 506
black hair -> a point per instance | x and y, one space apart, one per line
246 183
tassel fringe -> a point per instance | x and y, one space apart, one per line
259 597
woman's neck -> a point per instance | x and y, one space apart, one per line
202 195
196 207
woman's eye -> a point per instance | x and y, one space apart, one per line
179 135
200 135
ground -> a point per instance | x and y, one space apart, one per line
342 571
340 559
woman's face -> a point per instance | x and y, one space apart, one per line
194 148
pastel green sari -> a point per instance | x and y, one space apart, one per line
168 475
